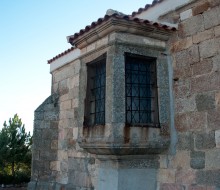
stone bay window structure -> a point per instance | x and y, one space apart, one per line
134 103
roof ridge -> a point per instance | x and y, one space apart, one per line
147 6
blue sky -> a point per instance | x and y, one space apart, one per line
32 32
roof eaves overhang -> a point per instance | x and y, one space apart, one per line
114 24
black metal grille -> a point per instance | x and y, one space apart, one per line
141 96
96 81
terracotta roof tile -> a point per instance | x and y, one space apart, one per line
147 6
117 16
61 54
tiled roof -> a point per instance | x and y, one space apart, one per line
140 10
61 54
119 17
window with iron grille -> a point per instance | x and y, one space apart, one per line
141 91
95 111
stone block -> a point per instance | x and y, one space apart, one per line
182 44
212 160
202 67
65 105
208 177
217 138
171 186
166 176
185 176
205 140
55 165
186 57
211 17
217 31
63 87
191 26
62 155
185 141
213 119
197 160
75 133
208 48
197 187
203 83
186 14
51 115
202 36
205 102
180 161
182 88
182 73
216 61
48 155
200 8
102 42
91 47
187 104
75 103
192 121
54 145
214 3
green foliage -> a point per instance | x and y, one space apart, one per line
15 151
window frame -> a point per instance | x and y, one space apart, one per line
154 103
91 68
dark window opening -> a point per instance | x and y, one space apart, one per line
95 100
141 91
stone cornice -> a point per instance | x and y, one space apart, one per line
120 25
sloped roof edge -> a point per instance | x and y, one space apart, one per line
147 6
100 21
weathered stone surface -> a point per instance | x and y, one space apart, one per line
180 161
200 187
205 83
208 48
185 176
185 141
214 3
171 186
200 8
186 14
202 36
208 177
191 26
166 176
217 31
190 121
205 140
197 160
182 44
211 17
205 102
186 57
187 104
202 67
217 138
212 161
213 119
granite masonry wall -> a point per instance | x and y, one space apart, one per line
195 50
194 161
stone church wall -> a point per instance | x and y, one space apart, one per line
195 50
194 162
